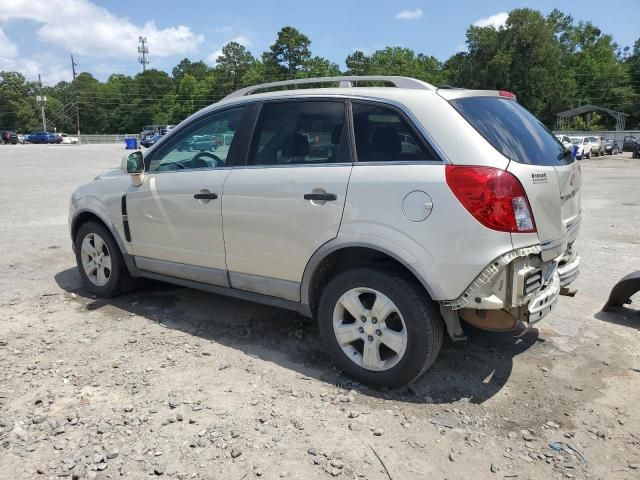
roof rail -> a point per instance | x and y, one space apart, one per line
345 82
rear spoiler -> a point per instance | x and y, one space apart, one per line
451 93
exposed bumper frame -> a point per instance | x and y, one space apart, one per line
569 269
543 302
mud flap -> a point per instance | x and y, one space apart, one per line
622 291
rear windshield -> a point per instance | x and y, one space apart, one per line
512 130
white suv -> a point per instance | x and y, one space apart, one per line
389 214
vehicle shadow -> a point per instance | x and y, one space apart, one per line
625 316
474 370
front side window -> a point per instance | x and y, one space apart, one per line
206 144
294 133
382 134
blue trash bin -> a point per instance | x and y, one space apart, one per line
131 143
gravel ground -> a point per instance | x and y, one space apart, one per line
182 384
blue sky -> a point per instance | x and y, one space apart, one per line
37 36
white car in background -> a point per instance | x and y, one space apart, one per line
598 146
584 147
565 141
68 139
423 208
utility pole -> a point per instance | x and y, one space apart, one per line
73 68
143 50
41 98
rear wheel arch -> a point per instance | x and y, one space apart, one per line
331 260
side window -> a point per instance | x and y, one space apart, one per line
206 144
293 133
383 135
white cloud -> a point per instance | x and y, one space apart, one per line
498 20
52 72
409 14
87 29
241 39
8 49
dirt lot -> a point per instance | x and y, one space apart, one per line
179 383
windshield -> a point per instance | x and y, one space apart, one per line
593 139
512 130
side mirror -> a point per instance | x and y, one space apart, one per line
135 163
135 167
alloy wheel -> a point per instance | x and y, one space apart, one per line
370 329
96 259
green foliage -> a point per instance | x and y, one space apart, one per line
551 63
290 51
357 63
233 64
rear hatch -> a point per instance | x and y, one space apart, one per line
549 174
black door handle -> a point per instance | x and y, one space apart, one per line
325 197
205 196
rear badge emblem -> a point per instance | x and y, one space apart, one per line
539 177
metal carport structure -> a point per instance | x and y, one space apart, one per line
563 118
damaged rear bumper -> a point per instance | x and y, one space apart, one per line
541 304
518 286
568 267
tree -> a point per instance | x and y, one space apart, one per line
524 57
405 62
18 107
290 51
357 63
234 63
183 103
318 67
632 64
199 70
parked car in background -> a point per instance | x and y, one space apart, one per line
565 141
628 143
66 138
584 147
44 137
389 247
150 140
611 147
598 146
149 131
8 137
201 143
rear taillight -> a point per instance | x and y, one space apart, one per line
494 197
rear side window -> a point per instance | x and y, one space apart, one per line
512 130
382 134
294 133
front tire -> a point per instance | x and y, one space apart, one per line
380 327
100 261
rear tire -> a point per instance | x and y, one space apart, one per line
410 323
100 261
